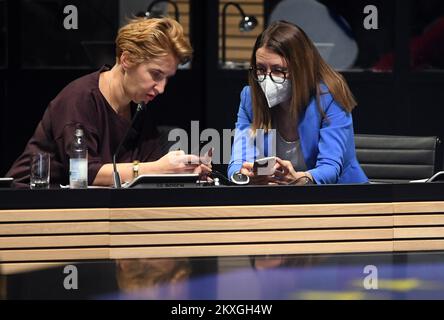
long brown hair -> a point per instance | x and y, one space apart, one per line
307 70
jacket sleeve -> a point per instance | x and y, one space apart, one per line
243 145
334 138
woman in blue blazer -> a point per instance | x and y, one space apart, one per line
298 109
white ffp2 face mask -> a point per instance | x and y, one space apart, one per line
275 93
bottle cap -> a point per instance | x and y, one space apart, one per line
79 132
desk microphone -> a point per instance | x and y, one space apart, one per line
116 176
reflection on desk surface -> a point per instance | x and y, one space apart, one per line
362 276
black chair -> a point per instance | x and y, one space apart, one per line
397 159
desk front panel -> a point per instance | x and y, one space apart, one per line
42 236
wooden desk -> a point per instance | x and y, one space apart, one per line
275 221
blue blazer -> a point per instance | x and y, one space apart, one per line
327 144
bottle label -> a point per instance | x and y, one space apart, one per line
78 170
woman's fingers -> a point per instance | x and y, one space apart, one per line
281 168
246 172
247 169
185 160
191 159
280 174
287 165
280 171
284 163
178 152
247 165
198 170
205 169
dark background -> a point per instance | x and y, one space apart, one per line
405 100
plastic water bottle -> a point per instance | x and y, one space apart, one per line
78 162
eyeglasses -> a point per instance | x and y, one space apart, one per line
277 76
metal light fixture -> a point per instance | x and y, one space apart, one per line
246 24
151 14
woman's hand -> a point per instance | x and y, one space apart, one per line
205 167
179 162
285 174
247 169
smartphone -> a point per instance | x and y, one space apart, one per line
264 166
